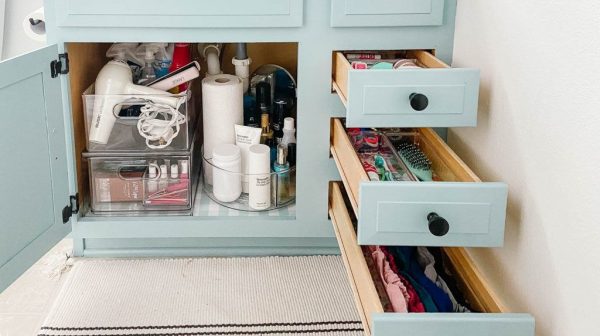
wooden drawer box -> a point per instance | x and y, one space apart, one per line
181 14
386 98
493 321
386 13
396 213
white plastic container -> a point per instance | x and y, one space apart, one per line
227 180
259 170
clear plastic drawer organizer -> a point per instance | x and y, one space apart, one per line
281 185
122 185
140 122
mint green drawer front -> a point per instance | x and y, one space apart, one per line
179 14
396 213
456 324
386 13
382 98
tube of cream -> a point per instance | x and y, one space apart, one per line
244 138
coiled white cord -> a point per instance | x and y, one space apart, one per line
159 124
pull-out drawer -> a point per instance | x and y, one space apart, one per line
493 321
457 210
182 14
386 13
433 96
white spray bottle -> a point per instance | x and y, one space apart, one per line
164 59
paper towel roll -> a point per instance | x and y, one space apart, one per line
35 32
222 107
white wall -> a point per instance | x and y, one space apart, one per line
2 9
15 40
539 131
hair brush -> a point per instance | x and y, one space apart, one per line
416 161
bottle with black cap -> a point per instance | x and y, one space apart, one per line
291 154
271 143
252 117
263 97
279 114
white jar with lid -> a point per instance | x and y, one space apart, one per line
226 173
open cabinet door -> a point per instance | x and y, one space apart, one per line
34 185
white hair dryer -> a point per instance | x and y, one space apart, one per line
114 85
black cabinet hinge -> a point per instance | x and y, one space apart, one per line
60 66
71 209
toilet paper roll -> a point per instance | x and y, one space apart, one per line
222 108
35 32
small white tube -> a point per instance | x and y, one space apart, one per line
242 70
259 168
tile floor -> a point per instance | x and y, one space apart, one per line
24 305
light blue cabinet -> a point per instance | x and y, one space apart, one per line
180 14
38 170
33 171
386 13
396 213
453 324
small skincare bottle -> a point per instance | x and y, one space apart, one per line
259 170
273 147
288 132
281 168
263 97
185 169
174 171
164 177
279 112
252 119
291 157
152 174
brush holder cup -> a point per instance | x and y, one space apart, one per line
138 122
227 186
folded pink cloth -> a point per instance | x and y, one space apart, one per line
394 287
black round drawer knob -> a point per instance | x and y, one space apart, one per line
418 101
438 226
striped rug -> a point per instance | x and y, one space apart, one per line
206 296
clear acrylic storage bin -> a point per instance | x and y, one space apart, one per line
139 123
281 187
137 184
